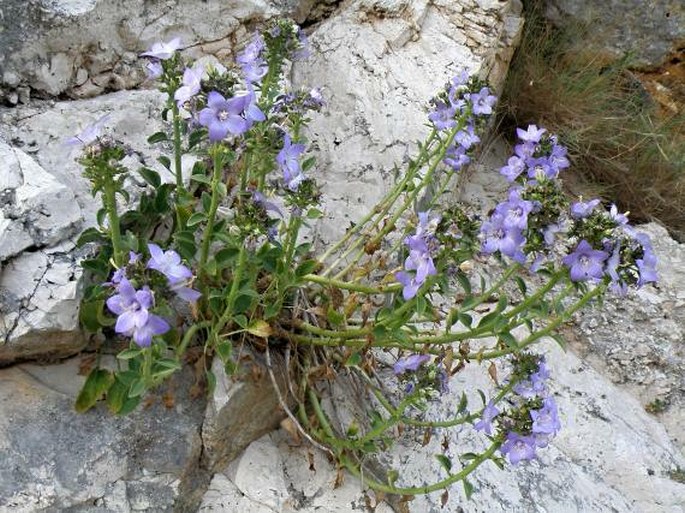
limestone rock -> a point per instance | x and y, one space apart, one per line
40 295
651 32
42 212
36 209
55 45
57 460
242 408
610 456
273 476
379 63
637 341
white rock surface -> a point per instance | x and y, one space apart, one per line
36 208
610 456
45 206
272 476
85 47
379 63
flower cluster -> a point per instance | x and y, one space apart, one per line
536 156
609 248
458 100
132 307
531 423
419 265
251 60
430 379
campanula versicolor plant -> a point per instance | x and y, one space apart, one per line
219 260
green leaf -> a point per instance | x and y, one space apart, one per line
559 340
334 317
137 388
116 396
508 339
90 235
445 462
157 137
150 176
97 383
196 218
463 403
314 213
260 329
89 314
469 302
224 350
206 201
464 282
127 354
226 257
466 319
354 360
201 179
195 137
468 489
468 456
305 268
308 163
211 382
521 285
165 161
241 321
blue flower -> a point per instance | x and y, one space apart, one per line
288 160
421 246
409 363
251 61
586 263
163 51
482 102
518 448
581 210
498 237
134 319
531 134
456 157
485 423
515 166
546 419
443 116
168 263
222 116
191 86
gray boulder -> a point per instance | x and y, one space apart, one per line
651 33
84 47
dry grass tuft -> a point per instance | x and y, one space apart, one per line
622 145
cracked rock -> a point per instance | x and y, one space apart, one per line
55 459
36 208
378 91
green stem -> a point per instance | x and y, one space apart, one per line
109 193
177 147
290 242
230 301
420 490
188 336
389 225
354 287
147 367
213 206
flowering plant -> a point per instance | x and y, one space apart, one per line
219 260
